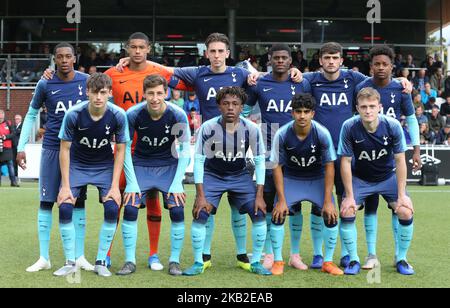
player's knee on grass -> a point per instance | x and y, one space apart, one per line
176 214
65 213
111 211
46 206
371 204
130 213
202 217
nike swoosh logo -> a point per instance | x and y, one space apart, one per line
290 149
359 141
207 79
54 92
123 81
319 84
267 90
81 129
141 128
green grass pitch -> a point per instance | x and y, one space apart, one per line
429 252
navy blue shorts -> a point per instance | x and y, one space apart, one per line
240 188
297 190
387 188
99 177
156 178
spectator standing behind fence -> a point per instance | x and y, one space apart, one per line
409 63
447 86
446 133
6 148
299 61
437 124
437 81
191 102
420 80
428 64
427 93
194 123
421 118
445 109
17 131
177 99
43 117
426 135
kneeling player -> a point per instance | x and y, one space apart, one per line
304 155
222 146
158 166
378 146
86 157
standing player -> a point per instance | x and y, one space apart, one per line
127 92
303 154
86 158
158 166
394 104
207 81
274 94
222 146
65 89
377 145
334 90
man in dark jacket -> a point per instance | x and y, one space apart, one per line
6 147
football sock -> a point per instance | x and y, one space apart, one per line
106 235
268 243
395 224
405 234
153 222
79 220
198 233
259 230
371 226
330 235
44 229
208 235
349 237
344 251
316 234
176 239
239 226
277 237
296 227
67 230
129 235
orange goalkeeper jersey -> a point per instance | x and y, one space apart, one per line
128 86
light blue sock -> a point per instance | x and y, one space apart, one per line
296 227
259 234
371 226
330 236
405 235
79 220
344 251
395 232
176 241
277 237
129 236
198 233
68 240
208 236
106 236
268 243
239 226
44 229
349 237
316 234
